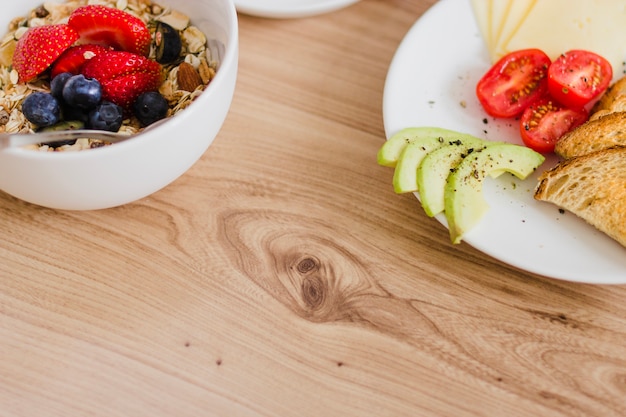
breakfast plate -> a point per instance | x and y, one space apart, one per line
289 8
431 82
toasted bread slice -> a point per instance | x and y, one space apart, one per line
614 92
617 105
593 187
604 132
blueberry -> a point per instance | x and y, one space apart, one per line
70 113
57 84
168 43
82 92
41 109
106 116
150 107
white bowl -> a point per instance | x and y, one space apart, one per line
125 172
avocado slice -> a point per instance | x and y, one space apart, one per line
389 153
435 168
405 174
411 157
465 204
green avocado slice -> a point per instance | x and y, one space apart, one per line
435 168
465 204
405 174
389 153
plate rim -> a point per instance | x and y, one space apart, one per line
613 273
269 8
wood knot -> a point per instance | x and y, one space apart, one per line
313 292
308 265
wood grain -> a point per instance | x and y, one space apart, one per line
281 276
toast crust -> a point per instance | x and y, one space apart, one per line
608 99
617 105
604 132
593 187
590 180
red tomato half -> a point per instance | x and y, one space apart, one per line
545 121
577 77
512 83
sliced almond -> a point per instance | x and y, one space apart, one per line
206 72
6 51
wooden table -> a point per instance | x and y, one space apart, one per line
282 276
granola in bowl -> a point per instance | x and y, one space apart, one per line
184 76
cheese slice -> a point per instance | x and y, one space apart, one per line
499 14
482 14
518 13
556 26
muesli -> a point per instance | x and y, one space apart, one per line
184 76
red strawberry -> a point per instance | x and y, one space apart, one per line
112 27
123 75
73 59
39 47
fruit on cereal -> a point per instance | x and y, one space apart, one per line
41 109
150 107
57 84
39 47
106 116
74 114
73 59
167 42
64 125
75 34
82 92
123 75
108 26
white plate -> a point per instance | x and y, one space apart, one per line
431 82
289 8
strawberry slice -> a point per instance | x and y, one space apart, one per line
73 59
108 26
125 89
123 75
39 47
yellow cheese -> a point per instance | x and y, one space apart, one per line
499 14
518 13
482 14
556 26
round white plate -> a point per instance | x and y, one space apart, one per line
284 9
431 82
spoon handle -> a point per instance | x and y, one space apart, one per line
10 140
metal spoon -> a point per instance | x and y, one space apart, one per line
10 140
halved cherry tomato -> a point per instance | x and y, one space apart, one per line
577 77
514 82
545 121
